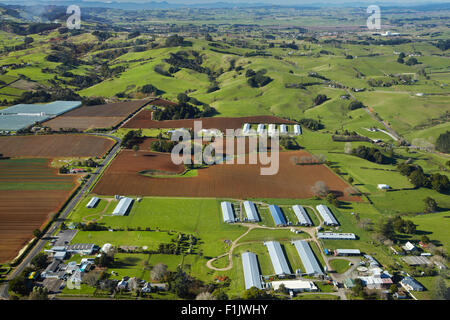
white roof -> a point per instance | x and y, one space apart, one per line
92 202
297 129
250 210
348 251
252 275
123 206
278 259
409 246
294 285
326 214
331 235
227 212
302 215
283 128
308 258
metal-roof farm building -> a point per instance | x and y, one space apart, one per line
306 254
93 202
347 252
327 216
227 212
335 236
297 130
123 207
250 210
278 259
272 129
261 128
283 129
302 215
252 275
295 285
277 215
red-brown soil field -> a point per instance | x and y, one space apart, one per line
51 146
99 116
143 119
222 180
30 191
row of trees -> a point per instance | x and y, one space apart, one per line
418 178
371 154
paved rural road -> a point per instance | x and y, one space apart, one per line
41 243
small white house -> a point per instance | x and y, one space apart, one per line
383 187
409 247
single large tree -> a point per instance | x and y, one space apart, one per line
430 205
158 272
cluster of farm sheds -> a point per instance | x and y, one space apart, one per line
278 216
372 276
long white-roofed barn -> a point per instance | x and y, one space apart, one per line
92 203
297 130
227 212
250 210
312 266
279 261
123 207
327 215
302 215
252 276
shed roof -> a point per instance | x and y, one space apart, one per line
252 275
302 215
250 210
277 215
278 259
332 235
326 214
93 202
307 256
122 207
227 211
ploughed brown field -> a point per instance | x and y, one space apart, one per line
51 146
99 116
30 192
20 213
143 119
221 180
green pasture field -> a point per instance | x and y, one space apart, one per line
268 235
201 217
312 296
149 239
435 226
131 265
340 265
